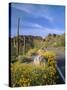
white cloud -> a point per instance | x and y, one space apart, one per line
23 7
32 25
49 18
55 30
38 26
37 31
42 29
43 11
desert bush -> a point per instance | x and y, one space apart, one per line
13 59
51 57
32 52
49 54
30 75
59 44
40 52
24 59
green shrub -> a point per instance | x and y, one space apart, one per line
13 59
51 57
24 59
31 75
40 52
32 52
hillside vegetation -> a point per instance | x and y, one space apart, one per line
52 40
24 72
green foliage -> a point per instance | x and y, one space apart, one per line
54 40
49 54
32 52
24 59
37 43
40 52
13 59
51 57
25 73
59 44
31 75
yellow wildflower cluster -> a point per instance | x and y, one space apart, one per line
30 75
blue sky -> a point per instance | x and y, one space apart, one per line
37 20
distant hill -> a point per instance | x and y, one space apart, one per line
52 40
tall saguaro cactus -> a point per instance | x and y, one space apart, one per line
18 37
18 46
24 45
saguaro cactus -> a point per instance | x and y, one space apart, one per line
24 45
18 37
